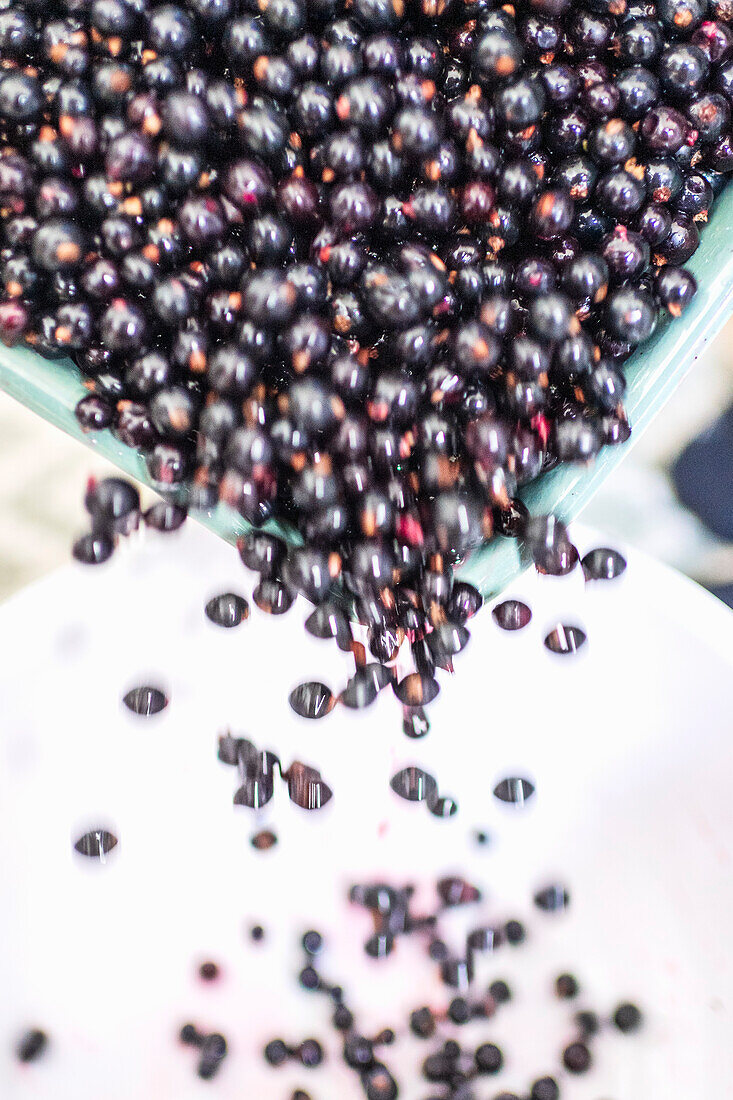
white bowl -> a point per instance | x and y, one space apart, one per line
628 743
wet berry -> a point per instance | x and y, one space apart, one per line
357 272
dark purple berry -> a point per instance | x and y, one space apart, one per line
31 1045
627 1018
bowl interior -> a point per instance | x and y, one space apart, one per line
626 743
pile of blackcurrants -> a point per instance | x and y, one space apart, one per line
365 267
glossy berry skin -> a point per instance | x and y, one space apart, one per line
714 38
640 41
519 103
94 413
551 214
709 114
21 97
683 70
58 245
664 129
603 387
631 314
612 142
681 16
620 194
695 197
675 288
626 254
364 270
681 242
93 549
586 278
497 54
122 326
654 223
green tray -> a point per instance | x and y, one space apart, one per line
53 388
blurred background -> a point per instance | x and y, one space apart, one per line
672 497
